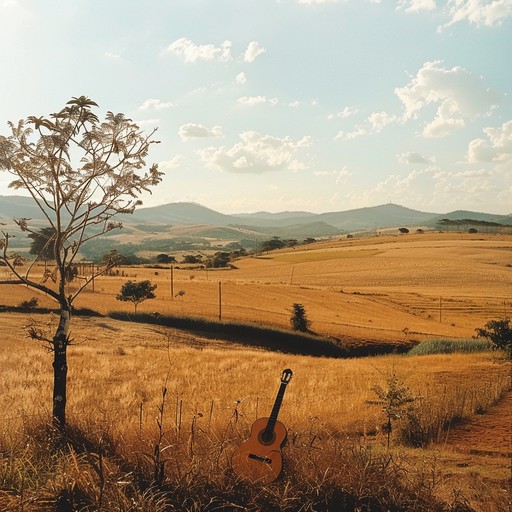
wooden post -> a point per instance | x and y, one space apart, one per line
172 282
220 301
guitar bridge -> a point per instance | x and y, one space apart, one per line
260 458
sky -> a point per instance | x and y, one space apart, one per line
284 105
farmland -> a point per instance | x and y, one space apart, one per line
386 289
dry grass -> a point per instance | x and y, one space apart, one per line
214 392
383 288
377 288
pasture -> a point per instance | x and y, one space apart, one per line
383 288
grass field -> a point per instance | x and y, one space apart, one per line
382 288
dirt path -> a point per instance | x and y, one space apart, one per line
486 434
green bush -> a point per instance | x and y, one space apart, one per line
443 346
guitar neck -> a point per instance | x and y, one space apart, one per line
275 410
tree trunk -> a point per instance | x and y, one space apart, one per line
60 368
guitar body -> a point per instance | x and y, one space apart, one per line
259 459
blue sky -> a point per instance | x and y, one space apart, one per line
316 105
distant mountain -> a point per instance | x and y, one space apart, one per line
486 217
383 216
18 207
275 216
178 214
285 224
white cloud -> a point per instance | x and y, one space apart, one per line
448 119
340 176
146 122
413 158
257 153
416 5
174 162
343 114
324 173
198 131
112 56
379 120
496 148
459 94
254 49
376 122
241 79
155 104
479 12
191 52
256 100
358 131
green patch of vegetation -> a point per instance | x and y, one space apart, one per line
444 346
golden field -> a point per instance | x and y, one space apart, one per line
393 288
382 288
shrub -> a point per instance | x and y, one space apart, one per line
30 304
443 346
499 334
298 320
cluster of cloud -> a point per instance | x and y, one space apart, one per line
257 100
256 153
477 12
155 104
458 94
193 52
198 131
414 158
496 148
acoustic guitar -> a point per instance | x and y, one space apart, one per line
259 459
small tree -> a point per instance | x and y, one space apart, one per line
393 400
80 172
499 334
136 292
165 258
298 320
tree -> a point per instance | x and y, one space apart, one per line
393 400
270 245
165 258
403 230
499 333
298 320
219 260
190 258
80 173
136 292
43 243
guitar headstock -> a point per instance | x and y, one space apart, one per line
286 376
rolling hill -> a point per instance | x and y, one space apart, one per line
161 222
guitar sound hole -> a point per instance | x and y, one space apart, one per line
267 437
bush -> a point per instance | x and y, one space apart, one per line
499 334
298 320
448 347
30 304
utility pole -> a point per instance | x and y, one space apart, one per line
220 301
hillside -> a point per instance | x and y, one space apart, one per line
179 225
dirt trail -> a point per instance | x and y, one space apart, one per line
486 434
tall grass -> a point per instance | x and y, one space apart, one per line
131 447
446 346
